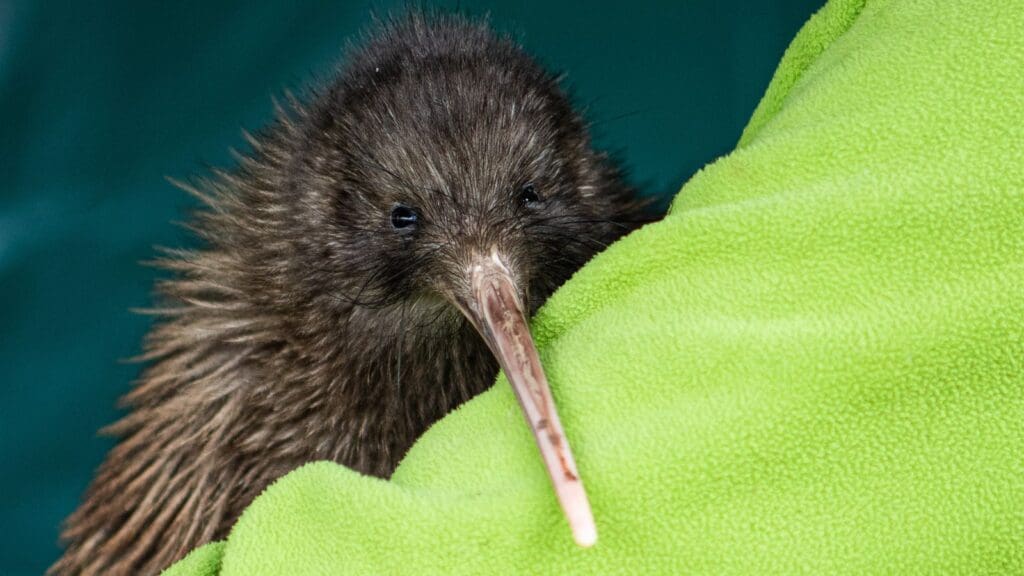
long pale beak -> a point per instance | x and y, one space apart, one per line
496 311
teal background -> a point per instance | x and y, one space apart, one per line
99 101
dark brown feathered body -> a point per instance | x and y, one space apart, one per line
315 323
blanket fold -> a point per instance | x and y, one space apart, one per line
814 364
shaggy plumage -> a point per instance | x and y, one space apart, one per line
316 320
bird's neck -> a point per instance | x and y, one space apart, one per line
371 389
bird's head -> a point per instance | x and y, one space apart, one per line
440 147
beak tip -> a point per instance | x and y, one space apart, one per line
580 518
585 536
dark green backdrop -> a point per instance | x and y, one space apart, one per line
100 100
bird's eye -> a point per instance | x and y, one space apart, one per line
528 194
404 218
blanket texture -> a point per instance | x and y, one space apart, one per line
814 364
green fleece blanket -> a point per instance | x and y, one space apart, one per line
815 364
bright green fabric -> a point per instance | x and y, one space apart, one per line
815 364
203 561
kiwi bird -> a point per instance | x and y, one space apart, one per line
367 266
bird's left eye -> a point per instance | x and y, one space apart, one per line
528 195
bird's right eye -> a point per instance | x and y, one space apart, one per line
404 218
